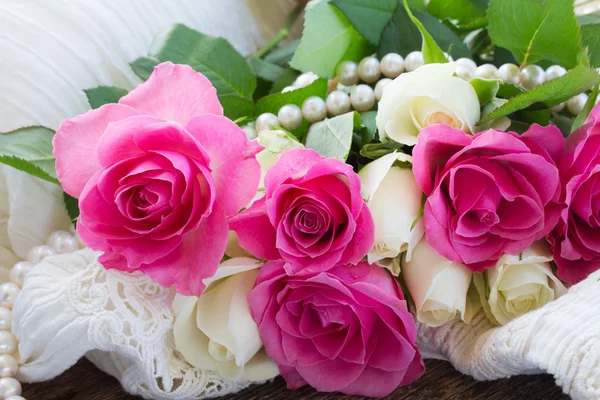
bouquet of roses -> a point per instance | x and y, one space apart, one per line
308 202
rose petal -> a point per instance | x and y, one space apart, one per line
174 92
75 143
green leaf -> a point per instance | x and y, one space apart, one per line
328 39
143 67
486 89
368 121
29 150
369 17
590 38
273 102
550 93
102 95
72 206
378 150
402 36
235 107
462 11
587 109
535 30
417 4
332 137
431 51
265 70
509 90
214 57
282 55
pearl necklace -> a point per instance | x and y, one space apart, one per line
350 94
59 242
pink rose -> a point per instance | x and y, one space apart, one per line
489 194
576 238
157 175
347 329
312 214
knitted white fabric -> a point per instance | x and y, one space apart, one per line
70 306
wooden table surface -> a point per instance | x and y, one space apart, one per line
85 382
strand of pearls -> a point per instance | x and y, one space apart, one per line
59 242
359 86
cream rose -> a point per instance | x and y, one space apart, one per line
394 199
518 284
440 288
216 331
30 209
427 96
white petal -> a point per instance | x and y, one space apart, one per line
438 286
233 266
36 209
189 340
260 368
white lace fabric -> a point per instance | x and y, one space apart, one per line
71 306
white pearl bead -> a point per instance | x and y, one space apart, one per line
290 117
63 242
554 71
288 89
314 109
265 121
368 69
575 104
8 343
250 132
305 79
347 71
15 398
38 253
392 65
486 71
9 366
5 319
467 62
379 87
19 271
8 294
337 102
465 72
532 76
362 98
509 73
559 107
9 387
413 61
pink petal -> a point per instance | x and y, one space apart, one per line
363 240
547 137
138 135
255 232
197 257
293 164
76 141
435 145
235 170
176 93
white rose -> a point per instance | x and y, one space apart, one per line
518 284
439 287
216 331
30 209
394 199
429 95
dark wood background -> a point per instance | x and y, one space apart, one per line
85 382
